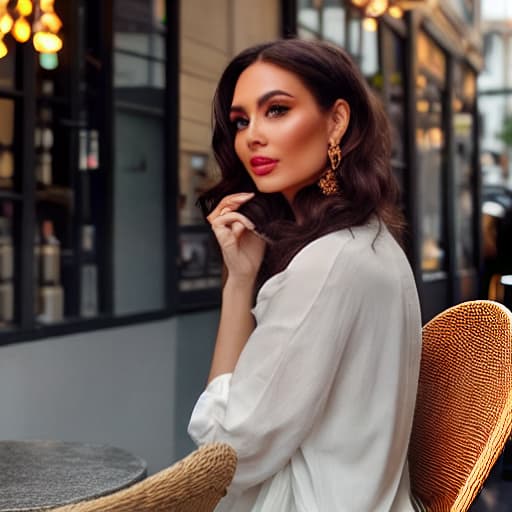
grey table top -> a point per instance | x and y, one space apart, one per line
39 475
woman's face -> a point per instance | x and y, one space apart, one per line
281 133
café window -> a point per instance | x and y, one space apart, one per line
430 143
83 171
199 259
464 138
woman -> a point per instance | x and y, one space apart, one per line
315 385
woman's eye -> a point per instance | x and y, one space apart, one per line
277 110
239 122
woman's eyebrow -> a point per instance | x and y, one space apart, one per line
262 99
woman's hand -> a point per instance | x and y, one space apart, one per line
242 249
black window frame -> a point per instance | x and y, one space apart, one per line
24 193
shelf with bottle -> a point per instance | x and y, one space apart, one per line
6 265
49 296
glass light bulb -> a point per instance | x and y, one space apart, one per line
51 21
46 5
395 11
21 30
24 7
3 49
376 8
6 23
370 24
48 60
46 42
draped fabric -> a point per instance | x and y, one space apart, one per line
319 407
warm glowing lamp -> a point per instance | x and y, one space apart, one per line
6 23
51 21
24 7
21 30
46 42
46 5
360 3
3 49
395 11
370 24
376 8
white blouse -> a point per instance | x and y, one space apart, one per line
319 407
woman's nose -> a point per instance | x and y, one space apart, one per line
255 134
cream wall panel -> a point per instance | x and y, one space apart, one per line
199 59
196 87
255 22
207 22
194 110
195 134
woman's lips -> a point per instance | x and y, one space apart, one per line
262 165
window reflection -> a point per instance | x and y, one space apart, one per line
430 88
463 113
6 264
6 143
7 64
322 19
139 156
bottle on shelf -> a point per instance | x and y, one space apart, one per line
50 292
6 273
93 155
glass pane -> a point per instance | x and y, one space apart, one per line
430 143
370 54
306 34
7 64
151 45
139 213
354 39
139 157
393 62
463 120
7 270
131 71
333 21
431 58
309 15
6 143
200 263
199 259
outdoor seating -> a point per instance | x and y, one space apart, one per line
463 414
194 484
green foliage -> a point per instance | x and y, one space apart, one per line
506 134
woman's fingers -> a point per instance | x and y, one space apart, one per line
229 203
229 219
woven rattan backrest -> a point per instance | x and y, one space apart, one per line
464 407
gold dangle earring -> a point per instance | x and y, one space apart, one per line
327 182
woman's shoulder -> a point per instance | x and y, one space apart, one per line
337 256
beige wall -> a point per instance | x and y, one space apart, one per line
212 31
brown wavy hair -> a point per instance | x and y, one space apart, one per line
365 179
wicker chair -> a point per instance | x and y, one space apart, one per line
463 414
194 484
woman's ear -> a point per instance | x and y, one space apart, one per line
340 117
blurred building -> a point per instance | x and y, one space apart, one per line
495 107
104 258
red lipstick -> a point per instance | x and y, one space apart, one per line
262 165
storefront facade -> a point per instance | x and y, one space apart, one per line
423 66
105 262
100 159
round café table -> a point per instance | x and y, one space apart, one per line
41 475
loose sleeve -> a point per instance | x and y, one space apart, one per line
282 380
